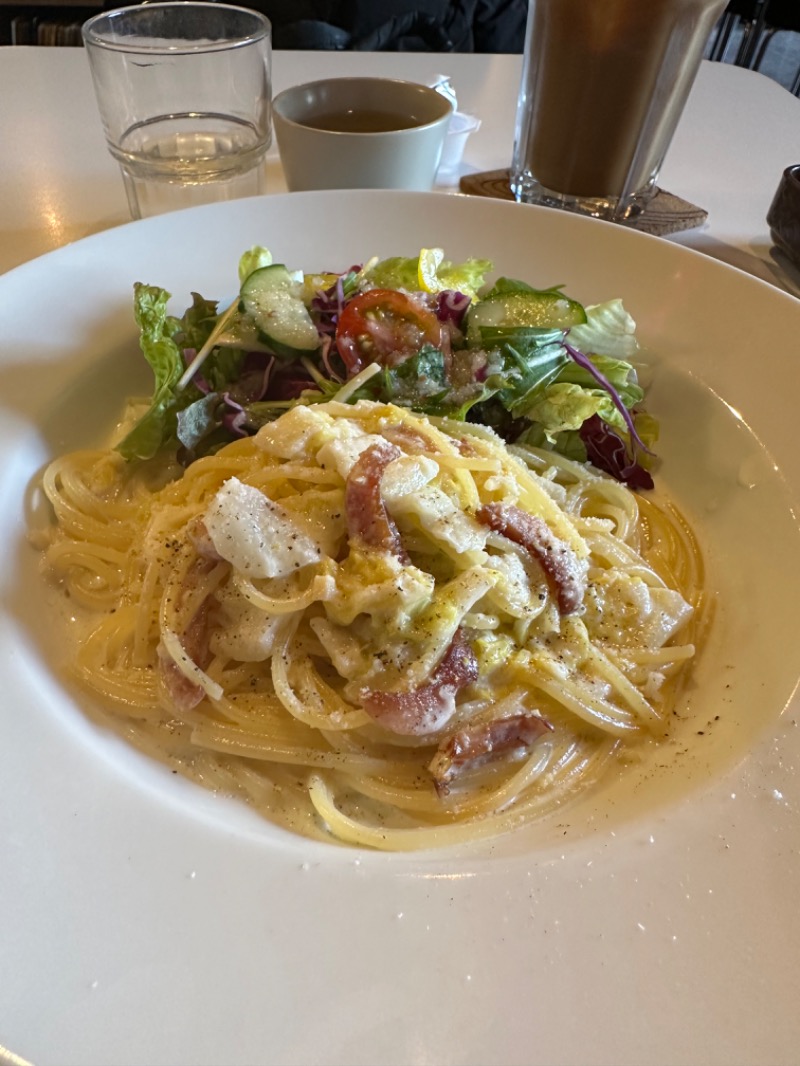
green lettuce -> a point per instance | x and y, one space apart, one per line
562 406
197 324
567 443
178 413
564 403
504 286
608 330
522 360
157 330
400 273
253 259
617 372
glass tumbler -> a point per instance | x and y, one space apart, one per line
604 83
184 93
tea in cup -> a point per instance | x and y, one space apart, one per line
360 133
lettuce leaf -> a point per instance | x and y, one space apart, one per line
178 415
162 353
253 259
648 429
567 443
198 421
401 273
395 273
523 360
617 372
194 329
561 407
608 330
467 277
564 406
503 286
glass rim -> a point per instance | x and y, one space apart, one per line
180 46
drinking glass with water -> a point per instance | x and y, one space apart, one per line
184 93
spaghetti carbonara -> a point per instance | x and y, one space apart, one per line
385 629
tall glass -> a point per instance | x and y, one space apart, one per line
604 83
184 92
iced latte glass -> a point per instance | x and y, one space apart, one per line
604 83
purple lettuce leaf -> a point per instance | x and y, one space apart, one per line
606 450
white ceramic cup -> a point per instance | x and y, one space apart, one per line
379 133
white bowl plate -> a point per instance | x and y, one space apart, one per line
653 922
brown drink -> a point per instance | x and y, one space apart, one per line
362 120
604 83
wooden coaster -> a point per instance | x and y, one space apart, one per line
665 214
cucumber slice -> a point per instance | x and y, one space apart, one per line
515 310
273 297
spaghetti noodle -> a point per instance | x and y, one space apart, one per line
384 629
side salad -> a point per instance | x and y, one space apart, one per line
420 332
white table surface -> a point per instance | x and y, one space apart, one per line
58 183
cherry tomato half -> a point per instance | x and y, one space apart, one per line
384 326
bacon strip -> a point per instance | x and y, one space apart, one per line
426 709
410 439
473 747
182 693
368 521
559 562
198 534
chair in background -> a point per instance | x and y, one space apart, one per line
751 14
780 15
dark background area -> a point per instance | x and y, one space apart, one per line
761 36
